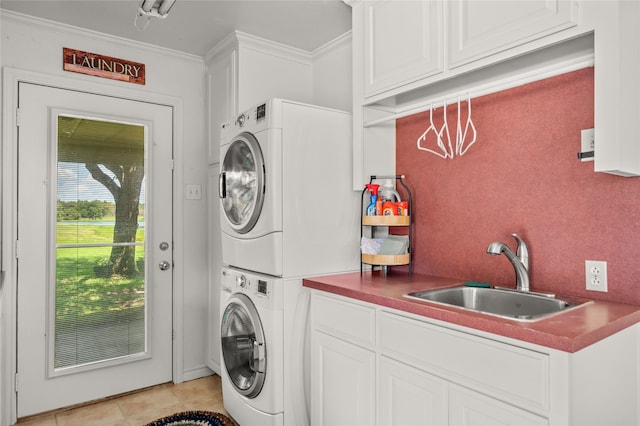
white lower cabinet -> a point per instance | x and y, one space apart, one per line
343 362
408 396
344 392
469 408
372 365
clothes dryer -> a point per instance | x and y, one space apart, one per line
287 204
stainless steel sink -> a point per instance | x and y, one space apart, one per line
501 302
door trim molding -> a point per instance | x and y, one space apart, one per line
8 226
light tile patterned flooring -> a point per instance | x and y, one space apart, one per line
139 408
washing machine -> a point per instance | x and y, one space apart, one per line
286 198
263 325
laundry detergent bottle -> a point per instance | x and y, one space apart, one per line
373 190
388 192
390 198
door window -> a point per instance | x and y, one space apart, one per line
99 288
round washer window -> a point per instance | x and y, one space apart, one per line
243 347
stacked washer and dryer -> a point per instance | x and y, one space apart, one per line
288 211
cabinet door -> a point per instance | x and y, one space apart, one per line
409 396
402 42
479 28
342 383
469 408
617 88
222 98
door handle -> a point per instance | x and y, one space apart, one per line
164 265
222 185
257 360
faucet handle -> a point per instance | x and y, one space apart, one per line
522 251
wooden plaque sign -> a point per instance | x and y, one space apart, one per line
103 66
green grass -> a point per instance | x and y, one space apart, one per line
82 292
70 233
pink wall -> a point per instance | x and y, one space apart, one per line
522 176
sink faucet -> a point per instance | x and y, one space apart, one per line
520 260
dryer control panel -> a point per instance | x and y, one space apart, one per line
261 112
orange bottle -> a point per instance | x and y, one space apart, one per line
403 208
389 208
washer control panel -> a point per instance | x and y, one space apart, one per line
240 120
234 281
241 281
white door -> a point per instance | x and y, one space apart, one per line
94 247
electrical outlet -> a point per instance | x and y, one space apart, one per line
596 275
587 142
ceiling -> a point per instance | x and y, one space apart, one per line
196 26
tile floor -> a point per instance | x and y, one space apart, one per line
139 408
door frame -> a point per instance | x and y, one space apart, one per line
8 216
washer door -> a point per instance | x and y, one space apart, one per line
242 183
244 350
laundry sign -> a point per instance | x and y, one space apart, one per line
103 66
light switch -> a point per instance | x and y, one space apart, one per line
193 192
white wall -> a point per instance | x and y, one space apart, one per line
34 45
268 69
332 80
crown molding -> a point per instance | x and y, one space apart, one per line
60 28
345 38
248 41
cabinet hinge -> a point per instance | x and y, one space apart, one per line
18 117
17 249
173 164
15 382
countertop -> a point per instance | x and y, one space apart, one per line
569 331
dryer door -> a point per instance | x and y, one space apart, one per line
244 350
242 183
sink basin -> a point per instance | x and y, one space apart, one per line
501 302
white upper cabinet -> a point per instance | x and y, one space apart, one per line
410 44
479 28
403 42
409 52
617 86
